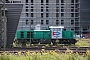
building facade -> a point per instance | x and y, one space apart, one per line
67 13
85 16
12 15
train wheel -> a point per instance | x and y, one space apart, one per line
23 43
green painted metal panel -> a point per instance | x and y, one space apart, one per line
21 34
47 34
29 34
67 34
42 34
25 34
18 35
38 34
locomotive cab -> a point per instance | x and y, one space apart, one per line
62 36
56 32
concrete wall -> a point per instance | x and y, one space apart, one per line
85 12
0 24
85 16
13 15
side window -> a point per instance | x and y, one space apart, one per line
28 34
22 34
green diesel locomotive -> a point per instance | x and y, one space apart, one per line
46 36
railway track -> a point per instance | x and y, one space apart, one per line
80 50
46 48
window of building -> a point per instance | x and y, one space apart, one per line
72 14
57 2
76 5
31 14
57 22
47 7
72 7
47 2
47 10
22 34
13 1
9 1
76 23
62 7
47 14
85 29
76 1
41 2
31 21
41 21
72 10
62 10
57 9
31 8
72 1
62 14
62 2
57 14
72 22
27 7
77 19
26 22
26 10
76 28
31 2
41 9
41 15
76 10
26 14
62 22
76 14
26 1
47 21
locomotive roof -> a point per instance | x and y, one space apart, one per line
41 30
56 26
